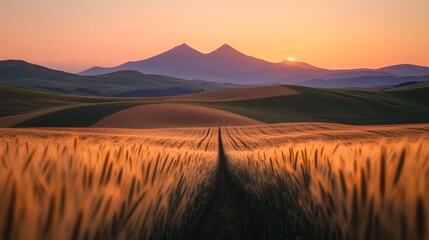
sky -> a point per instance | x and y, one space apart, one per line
73 35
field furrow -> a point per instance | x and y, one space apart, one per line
225 218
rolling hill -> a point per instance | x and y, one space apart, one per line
172 115
410 86
362 82
25 75
18 101
236 94
302 104
406 70
19 105
335 106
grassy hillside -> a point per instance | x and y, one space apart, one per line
309 105
81 116
417 85
338 106
362 82
16 101
21 74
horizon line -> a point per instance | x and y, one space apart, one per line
184 44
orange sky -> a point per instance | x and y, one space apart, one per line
73 35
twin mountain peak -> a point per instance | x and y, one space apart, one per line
228 65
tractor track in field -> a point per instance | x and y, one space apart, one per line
225 218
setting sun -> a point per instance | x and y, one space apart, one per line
291 59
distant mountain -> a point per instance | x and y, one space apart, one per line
300 64
213 70
406 70
17 69
25 75
362 82
334 74
227 65
224 64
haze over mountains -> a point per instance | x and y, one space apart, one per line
184 70
226 64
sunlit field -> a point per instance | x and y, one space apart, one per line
359 185
287 181
65 185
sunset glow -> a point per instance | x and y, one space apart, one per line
75 35
291 59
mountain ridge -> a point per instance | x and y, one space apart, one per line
225 64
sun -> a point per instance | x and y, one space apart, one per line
291 59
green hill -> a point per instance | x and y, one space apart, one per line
310 105
414 85
336 106
84 111
79 116
25 75
16 101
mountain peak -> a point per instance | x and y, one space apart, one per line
226 46
182 50
184 47
225 49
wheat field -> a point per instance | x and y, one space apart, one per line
292 181
62 185
349 184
